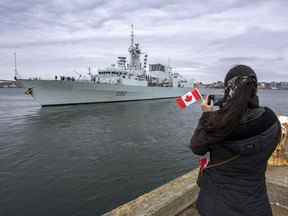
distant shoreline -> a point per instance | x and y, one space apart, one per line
15 84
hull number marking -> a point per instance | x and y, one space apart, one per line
121 93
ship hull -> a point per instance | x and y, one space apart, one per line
56 92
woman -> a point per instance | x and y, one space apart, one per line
240 137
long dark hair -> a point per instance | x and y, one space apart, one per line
240 95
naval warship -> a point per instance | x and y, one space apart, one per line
127 80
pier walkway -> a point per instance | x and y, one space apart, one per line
178 197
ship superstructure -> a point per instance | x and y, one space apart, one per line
136 73
124 81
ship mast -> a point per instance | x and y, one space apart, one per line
15 67
135 52
132 50
132 36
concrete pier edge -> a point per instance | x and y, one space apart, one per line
178 195
169 199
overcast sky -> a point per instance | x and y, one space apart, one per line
202 38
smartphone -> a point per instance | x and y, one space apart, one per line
217 99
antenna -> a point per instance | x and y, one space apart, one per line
15 67
170 69
132 35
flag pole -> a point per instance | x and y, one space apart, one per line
202 99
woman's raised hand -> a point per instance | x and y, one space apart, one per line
207 107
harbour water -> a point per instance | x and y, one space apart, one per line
88 159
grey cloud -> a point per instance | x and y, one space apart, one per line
250 59
202 38
33 13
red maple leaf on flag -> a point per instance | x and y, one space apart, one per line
188 98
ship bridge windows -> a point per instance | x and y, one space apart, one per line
157 67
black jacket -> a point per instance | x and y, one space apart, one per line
238 188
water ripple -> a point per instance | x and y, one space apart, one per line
87 159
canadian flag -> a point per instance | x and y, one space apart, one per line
189 98
203 164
